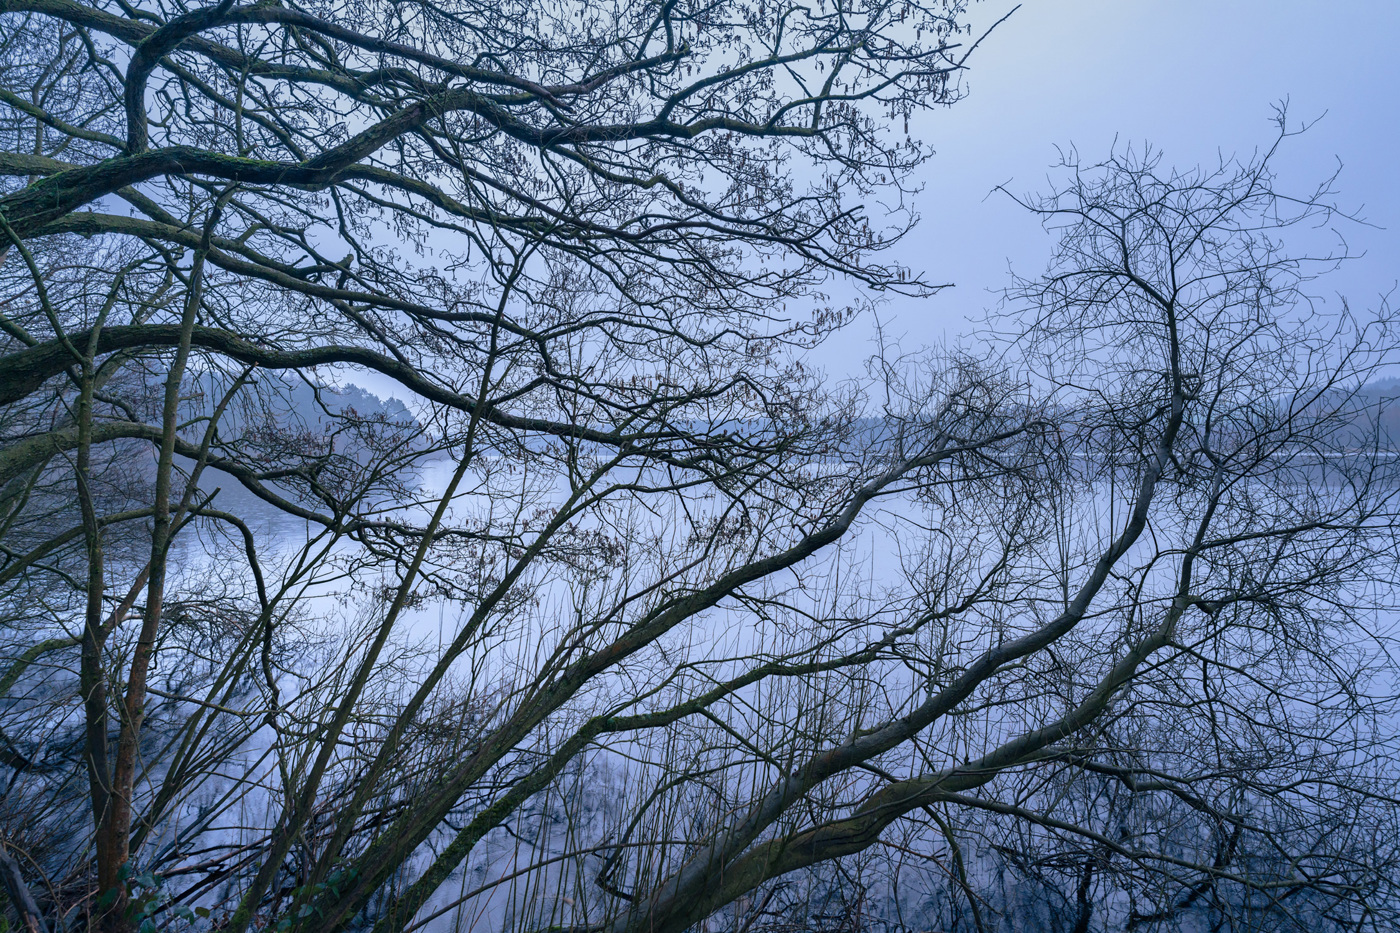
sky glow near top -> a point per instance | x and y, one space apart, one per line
1194 78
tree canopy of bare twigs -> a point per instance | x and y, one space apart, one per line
620 617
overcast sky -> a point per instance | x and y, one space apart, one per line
1193 77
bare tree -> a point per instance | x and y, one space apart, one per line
589 631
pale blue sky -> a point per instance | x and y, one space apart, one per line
1190 76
